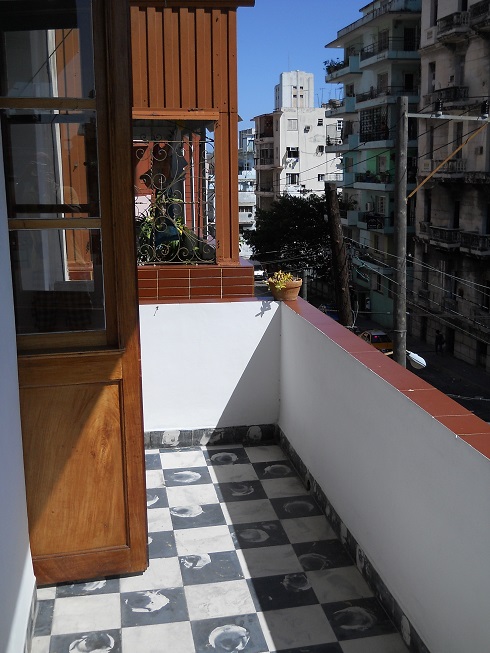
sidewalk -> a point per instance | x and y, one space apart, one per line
467 384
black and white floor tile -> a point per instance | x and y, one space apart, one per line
241 558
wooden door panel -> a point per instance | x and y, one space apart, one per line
74 468
84 465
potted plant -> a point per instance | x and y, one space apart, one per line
284 285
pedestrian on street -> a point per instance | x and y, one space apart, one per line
439 342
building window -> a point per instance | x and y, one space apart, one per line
321 177
293 125
292 152
320 149
320 122
292 178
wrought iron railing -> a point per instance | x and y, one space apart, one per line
395 44
174 198
449 94
382 91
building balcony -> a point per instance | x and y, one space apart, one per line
264 190
388 93
395 48
452 96
349 218
444 238
338 69
450 170
396 7
454 28
480 16
250 449
382 181
475 244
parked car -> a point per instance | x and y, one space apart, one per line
259 272
378 339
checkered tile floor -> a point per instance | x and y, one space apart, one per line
241 559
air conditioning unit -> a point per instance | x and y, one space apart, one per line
369 207
426 165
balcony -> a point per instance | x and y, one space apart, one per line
382 180
450 170
390 92
337 69
380 9
397 48
480 16
250 448
454 28
475 244
452 95
444 238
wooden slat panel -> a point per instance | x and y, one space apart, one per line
219 64
187 58
69 369
155 62
203 57
77 436
138 58
232 63
171 58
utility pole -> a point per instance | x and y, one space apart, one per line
340 263
400 301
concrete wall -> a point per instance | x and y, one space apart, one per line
16 575
414 495
219 364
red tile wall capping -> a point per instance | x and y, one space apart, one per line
172 282
445 410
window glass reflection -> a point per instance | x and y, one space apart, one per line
47 48
51 163
57 279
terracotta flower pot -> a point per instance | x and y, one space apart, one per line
288 293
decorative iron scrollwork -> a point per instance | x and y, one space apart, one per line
175 195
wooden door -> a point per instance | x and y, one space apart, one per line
66 137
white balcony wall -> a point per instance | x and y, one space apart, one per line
16 574
413 494
210 364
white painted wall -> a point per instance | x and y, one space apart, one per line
210 364
413 494
16 575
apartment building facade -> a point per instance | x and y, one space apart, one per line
246 185
379 62
451 263
290 143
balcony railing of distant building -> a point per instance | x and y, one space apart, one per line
393 44
381 134
334 65
458 21
449 94
408 6
453 166
374 178
440 234
264 189
264 161
382 91
476 243
480 13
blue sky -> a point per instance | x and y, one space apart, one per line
280 35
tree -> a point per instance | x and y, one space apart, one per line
292 234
